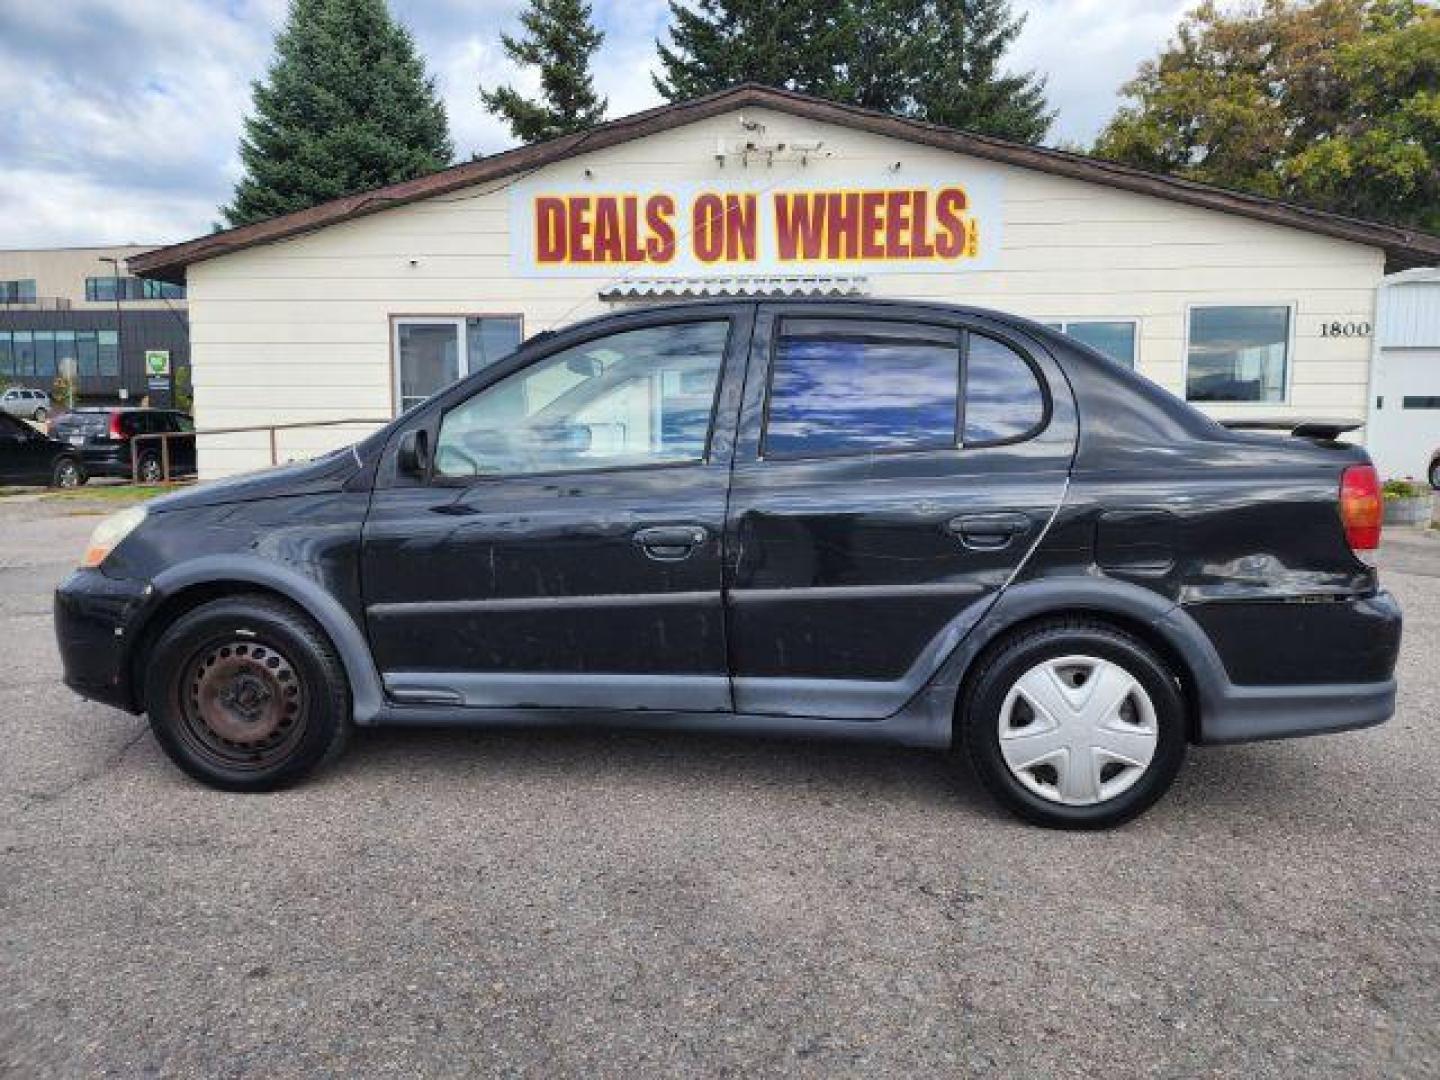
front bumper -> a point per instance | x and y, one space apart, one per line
93 619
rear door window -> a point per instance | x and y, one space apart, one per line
841 387
857 387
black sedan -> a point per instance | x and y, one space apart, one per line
29 456
895 522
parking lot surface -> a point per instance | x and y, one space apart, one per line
546 904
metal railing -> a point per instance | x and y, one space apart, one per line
165 437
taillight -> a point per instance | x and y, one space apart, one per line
118 432
1361 507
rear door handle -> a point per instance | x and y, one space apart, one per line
669 543
988 532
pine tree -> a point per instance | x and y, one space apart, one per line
935 60
560 39
345 106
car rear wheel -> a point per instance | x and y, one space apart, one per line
67 474
149 470
247 694
1074 724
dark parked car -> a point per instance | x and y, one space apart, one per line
899 522
103 436
28 456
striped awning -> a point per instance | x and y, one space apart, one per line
738 285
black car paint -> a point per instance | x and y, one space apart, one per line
105 455
28 456
519 600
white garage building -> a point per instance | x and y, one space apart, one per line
1404 418
359 307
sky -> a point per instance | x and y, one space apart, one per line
122 120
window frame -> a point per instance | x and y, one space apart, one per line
961 330
395 320
435 423
1064 324
1292 308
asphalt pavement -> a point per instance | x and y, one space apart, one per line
622 905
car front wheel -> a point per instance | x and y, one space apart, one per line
1074 724
40 415
245 693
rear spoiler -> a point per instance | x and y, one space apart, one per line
1303 429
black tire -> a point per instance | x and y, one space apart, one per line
67 473
1435 474
268 657
40 415
149 470
1005 663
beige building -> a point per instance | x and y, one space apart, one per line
360 307
79 310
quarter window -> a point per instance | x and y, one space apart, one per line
1003 399
634 398
1238 354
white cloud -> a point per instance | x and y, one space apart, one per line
129 115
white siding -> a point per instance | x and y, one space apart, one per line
300 329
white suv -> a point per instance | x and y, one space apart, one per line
26 404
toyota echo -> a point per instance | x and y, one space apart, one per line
907 523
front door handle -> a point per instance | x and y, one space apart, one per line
669 543
988 532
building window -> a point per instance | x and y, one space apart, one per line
109 342
1115 338
7 354
17 292
432 353
1238 354
24 344
87 354
103 289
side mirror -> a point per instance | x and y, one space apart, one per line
414 456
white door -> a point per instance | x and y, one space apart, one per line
1403 431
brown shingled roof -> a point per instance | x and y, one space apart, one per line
1403 247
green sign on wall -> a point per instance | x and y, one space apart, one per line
157 363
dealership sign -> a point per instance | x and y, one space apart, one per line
930 225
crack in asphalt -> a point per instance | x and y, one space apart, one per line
69 787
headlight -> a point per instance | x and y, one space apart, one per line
108 534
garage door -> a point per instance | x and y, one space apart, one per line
1404 428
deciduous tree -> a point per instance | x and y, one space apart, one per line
1334 103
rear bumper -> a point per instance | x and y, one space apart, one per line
1231 712
1253 713
93 615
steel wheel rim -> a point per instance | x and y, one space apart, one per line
69 475
242 704
1078 730
150 470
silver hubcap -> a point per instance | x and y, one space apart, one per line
1078 730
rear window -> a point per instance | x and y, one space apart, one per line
74 423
